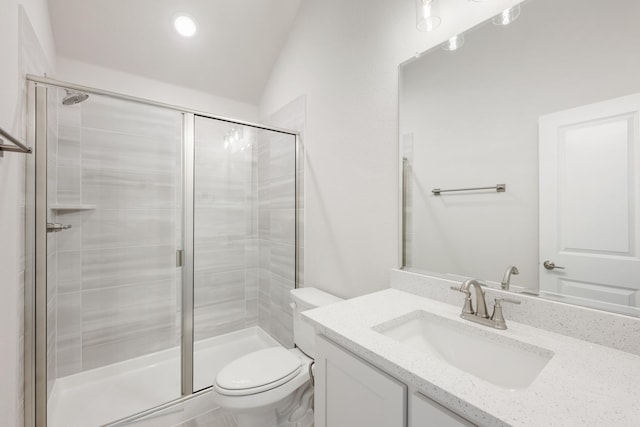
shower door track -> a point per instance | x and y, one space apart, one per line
35 310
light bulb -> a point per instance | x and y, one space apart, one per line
427 15
454 43
507 16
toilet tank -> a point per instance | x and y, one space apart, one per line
305 299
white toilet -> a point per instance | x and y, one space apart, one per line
271 387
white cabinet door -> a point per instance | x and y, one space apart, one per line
590 204
424 412
351 393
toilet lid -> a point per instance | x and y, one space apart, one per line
259 371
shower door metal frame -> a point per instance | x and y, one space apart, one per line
188 281
35 289
35 310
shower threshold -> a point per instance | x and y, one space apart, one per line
106 394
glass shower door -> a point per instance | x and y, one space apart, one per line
114 214
164 247
244 242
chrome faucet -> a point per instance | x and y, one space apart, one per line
480 315
507 276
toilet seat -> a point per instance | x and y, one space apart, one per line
257 372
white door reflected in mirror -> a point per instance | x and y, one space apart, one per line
589 204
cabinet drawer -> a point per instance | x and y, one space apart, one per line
425 412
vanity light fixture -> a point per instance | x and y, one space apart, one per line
454 43
185 25
427 15
507 16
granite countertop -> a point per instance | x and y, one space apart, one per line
583 384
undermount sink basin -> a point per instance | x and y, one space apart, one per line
500 360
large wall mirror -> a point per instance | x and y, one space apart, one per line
549 107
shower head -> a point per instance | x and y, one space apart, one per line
74 97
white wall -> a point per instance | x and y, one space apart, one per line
344 57
95 76
12 200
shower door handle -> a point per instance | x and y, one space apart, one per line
54 227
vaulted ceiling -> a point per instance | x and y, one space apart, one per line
231 56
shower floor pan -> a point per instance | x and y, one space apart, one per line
103 395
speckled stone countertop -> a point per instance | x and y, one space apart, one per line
583 384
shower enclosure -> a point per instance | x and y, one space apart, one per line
162 245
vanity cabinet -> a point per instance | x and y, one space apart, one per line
351 392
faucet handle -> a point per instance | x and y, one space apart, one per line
468 306
497 316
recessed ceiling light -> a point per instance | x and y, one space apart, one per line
185 26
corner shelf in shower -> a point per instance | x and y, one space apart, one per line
72 207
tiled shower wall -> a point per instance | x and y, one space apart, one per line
118 174
277 221
226 229
119 186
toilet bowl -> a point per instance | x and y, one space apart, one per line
272 387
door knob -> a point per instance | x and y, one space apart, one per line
550 265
